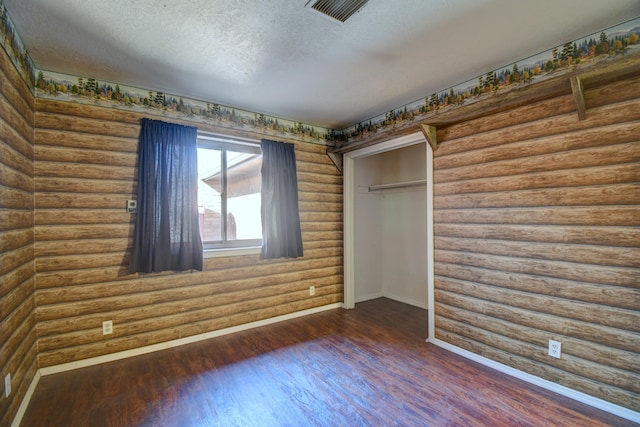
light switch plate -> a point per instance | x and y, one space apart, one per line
132 206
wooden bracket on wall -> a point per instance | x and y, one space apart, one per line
429 132
336 158
578 96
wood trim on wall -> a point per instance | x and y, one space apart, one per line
536 238
85 162
18 348
535 210
536 213
593 77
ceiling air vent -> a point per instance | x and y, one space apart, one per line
340 10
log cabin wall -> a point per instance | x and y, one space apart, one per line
18 349
85 165
537 237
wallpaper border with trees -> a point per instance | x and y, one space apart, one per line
618 40
621 39
12 44
65 87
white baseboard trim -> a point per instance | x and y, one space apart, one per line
393 297
178 342
549 385
25 400
368 297
408 301
151 348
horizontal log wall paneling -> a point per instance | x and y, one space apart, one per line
85 164
18 347
537 237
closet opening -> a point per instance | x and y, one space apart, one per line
388 224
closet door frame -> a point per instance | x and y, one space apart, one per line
349 192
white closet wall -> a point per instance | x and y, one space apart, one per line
368 220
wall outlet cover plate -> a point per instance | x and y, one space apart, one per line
555 349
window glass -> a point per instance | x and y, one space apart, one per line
229 193
209 194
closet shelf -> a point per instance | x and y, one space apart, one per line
405 184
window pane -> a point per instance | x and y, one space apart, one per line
243 196
210 194
229 193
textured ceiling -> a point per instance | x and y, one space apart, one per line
280 58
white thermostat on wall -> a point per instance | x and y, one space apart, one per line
132 206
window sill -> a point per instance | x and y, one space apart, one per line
226 252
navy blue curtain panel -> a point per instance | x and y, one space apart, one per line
167 234
281 235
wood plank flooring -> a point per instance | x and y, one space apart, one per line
364 367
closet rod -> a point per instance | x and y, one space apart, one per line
398 185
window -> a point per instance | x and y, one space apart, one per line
229 185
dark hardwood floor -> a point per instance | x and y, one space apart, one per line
364 367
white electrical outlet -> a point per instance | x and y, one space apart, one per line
7 385
107 327
555 349
312 290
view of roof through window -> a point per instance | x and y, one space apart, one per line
242 194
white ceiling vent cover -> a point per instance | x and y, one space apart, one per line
340 10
